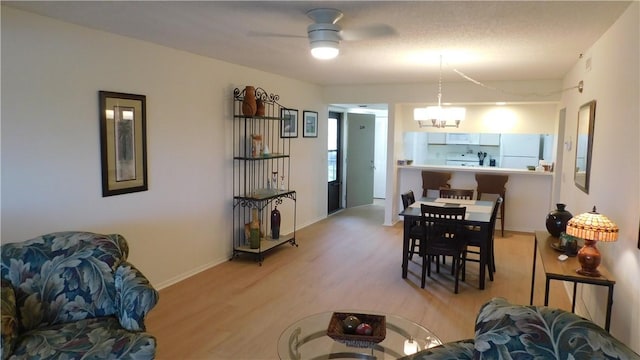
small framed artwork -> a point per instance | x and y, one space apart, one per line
123 143
310 124
289 123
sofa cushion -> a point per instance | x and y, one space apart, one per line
98 338
63 277
506 331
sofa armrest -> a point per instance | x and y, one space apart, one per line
135 297
9 319
542 332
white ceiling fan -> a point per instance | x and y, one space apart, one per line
325 34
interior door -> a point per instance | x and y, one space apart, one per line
360 158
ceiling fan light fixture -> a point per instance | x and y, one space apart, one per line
324 40
324 50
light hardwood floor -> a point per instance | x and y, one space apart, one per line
237 310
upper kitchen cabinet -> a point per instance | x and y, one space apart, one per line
490 139
437 138
463 139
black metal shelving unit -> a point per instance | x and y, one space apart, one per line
253 187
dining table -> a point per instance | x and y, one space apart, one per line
478 214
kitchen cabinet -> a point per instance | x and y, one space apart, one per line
463 139
436 138
490 139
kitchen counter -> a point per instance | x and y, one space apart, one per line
476 169
528 196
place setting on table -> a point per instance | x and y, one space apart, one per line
473 206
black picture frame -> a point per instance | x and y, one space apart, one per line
123 142
309 124
584 145
289 123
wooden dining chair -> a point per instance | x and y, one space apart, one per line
475 239
462 194
443 235
415 234
493 184
434 180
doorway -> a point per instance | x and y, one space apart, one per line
334 154
360 159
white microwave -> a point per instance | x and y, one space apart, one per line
463 139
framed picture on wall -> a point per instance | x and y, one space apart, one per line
289 123
123 144
310 124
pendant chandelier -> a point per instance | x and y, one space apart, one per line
438 116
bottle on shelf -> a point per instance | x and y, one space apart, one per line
275 223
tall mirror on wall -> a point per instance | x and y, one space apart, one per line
584 144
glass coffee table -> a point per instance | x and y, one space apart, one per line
307 339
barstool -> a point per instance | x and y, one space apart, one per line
493 184
434 180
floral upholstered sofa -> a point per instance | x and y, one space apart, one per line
73 295
508 331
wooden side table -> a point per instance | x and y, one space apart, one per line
555 269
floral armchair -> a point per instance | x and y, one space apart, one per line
73 295
508 331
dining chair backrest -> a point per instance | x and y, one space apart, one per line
493 184
462 194
408 198
434 180
443 226
494 216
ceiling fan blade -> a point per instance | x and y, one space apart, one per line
368 32
271 34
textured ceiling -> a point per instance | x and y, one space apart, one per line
487 40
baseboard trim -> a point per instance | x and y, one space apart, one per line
189 274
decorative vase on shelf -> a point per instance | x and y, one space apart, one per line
275 223
254 228
557 220
249 105
259 107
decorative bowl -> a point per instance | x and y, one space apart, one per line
337 333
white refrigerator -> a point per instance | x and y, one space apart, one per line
517 151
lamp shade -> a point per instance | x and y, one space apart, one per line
592 226
420 114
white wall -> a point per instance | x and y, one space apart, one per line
613 82
51 180
514 118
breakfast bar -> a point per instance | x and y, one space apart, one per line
529 193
